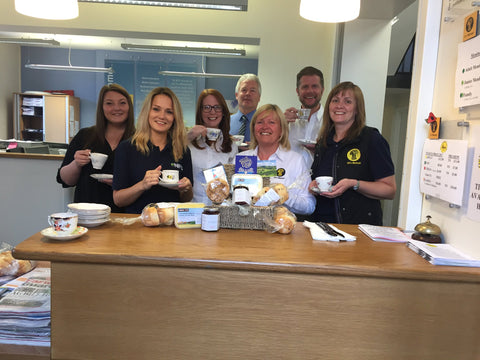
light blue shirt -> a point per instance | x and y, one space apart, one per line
236 123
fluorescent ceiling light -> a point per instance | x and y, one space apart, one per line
330 11
69 68
196 74
29 41
232 5
48 9
184 50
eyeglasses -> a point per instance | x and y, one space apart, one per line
208 108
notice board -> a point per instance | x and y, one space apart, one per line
444 164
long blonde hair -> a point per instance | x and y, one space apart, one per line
275 110
176 133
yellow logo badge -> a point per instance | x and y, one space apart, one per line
443 147
354 155
281 172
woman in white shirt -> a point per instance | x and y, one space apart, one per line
269 141
212 112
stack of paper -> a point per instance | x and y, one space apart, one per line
384 233
25 309
442 254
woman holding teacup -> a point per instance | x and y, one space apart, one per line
114 123
356 156
210 140
270 142
159 143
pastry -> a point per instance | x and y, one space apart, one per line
166 215
282 191
217 190
150 215
9 266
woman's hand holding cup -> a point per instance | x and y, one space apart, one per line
151 178
82 157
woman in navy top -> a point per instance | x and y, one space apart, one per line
356 156
114 123
159 143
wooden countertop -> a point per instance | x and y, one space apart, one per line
114 243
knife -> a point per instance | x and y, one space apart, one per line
329 230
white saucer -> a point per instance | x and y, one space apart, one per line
102 176
243 145
168 185
51 234
307 142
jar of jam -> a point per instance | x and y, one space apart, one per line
211 219
241 195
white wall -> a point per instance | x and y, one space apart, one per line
29 194
10 83
365 63
456 227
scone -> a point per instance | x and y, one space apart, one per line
150 215
217 190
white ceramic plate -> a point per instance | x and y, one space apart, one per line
94 216
102 176
51 234
168 185
89 208
307 142
93 223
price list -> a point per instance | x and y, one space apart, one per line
443 169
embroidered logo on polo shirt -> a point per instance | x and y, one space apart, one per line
177 166
354 156
281 172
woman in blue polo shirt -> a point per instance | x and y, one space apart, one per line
356 156
159 143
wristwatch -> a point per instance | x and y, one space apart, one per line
356 186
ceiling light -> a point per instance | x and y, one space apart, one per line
69 68
330 11
232 5
197 74
48 9
184 50
29 41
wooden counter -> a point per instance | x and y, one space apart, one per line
133 292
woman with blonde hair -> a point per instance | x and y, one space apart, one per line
159 143
269 142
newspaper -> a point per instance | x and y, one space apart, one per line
25 309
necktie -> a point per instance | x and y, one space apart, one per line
243 127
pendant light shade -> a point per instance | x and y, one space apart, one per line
48 9
330 11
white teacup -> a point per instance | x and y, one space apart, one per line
98 160
213 134
63 223
238 139
170 176
324 183
303 114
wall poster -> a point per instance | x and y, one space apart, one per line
467 79
473 211
443 169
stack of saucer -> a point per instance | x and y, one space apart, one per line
90 214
